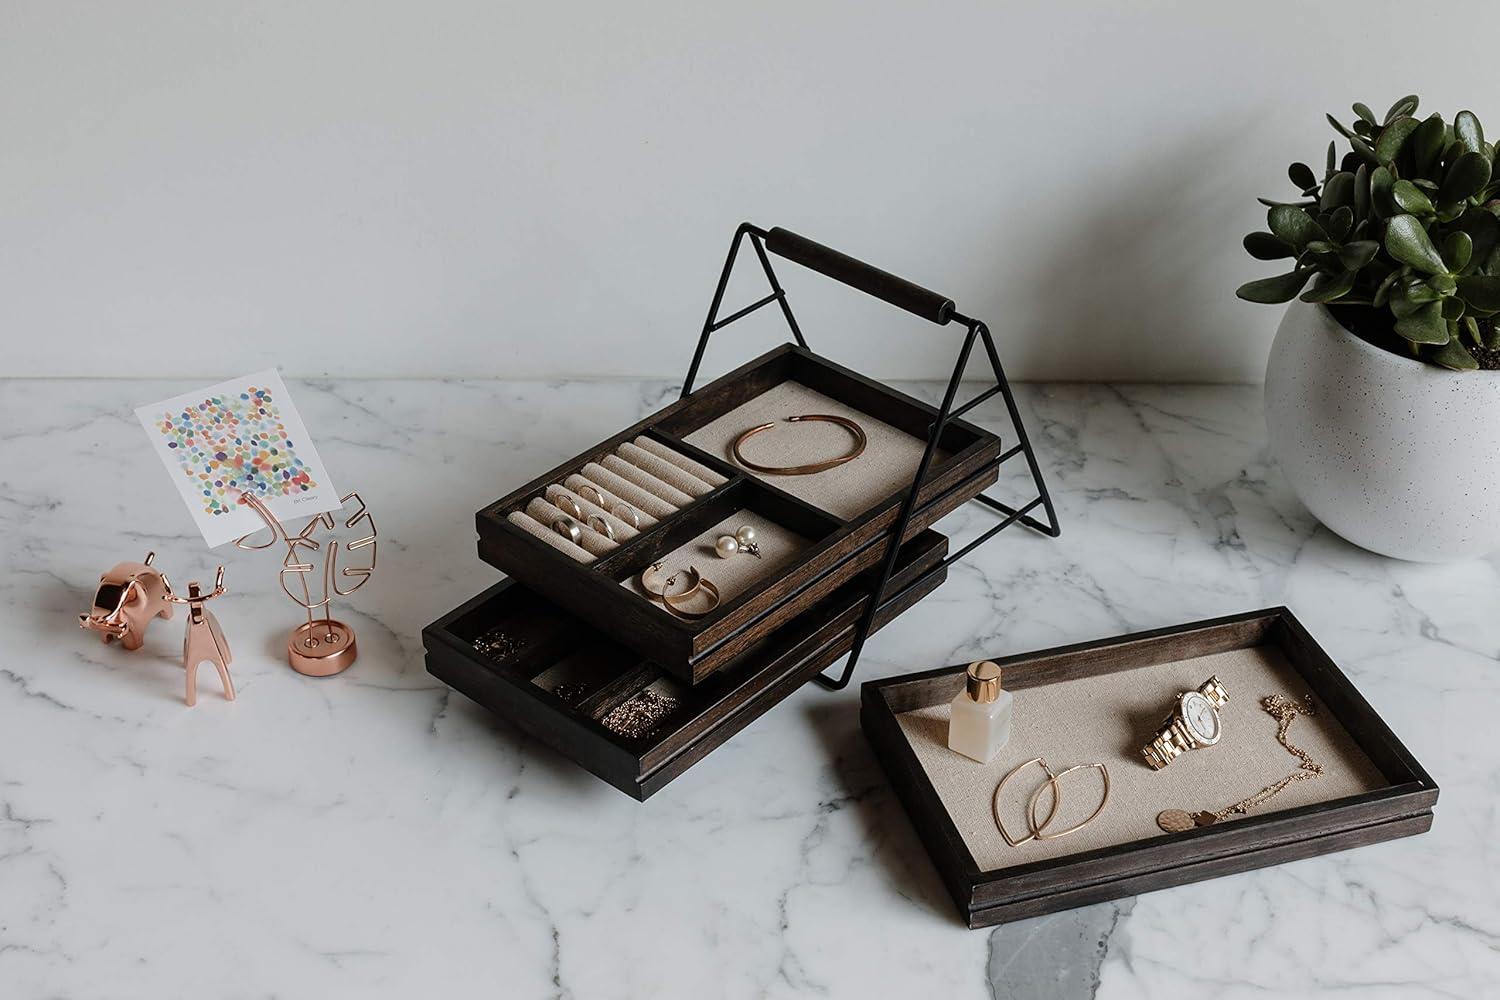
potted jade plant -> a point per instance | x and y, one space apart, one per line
1382 398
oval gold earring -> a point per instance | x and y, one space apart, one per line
995 802
1039 831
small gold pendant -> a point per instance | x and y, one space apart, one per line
1205 818
1175 821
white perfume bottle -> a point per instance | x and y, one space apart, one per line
979 721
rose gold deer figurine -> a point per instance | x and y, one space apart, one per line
204 640
128 598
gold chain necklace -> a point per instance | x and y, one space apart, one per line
1285 712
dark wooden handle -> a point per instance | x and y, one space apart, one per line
857 274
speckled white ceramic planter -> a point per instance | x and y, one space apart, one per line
1399 457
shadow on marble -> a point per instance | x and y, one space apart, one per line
894 844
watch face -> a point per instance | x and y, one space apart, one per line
1201 717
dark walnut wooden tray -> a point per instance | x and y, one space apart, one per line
837 545
1372 788
558 679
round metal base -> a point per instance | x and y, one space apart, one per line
321 648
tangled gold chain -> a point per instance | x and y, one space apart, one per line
1285 712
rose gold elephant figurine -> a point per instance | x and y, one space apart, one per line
129 596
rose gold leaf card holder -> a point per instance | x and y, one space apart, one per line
321 646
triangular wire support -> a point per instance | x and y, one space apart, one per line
946 413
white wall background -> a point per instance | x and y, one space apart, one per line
540 189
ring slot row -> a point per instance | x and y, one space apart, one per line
650 478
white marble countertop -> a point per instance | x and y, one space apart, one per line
373 835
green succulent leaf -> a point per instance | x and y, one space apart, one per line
1381 183
1480 291
1453 310
1338 222
1427 144
1468 175
1329 287
1443 284
1406 106
1424 326
1393 137
1407 241
1382 294
1338 127
1294 226
1332 157
1467 130
1454 355
1282 288
1359 253
1337 190
1365 151
1471 327
1265 246
1483 229
1362 192
1364 112
1410 198
1458 249
1302 176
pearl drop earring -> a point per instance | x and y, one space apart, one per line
743 540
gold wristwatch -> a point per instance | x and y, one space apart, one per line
1194 723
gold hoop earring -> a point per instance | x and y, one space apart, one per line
648 576
699 583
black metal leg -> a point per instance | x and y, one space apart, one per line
878 596
946 413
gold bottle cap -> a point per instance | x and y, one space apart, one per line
984 681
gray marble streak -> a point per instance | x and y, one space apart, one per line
374 835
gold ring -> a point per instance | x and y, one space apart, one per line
569 529
568 505
626 513
600 525
587 488
802 470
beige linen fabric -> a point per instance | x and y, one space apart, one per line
646 481
529 525
622 529
576 484
625 490
1108 718
664 470
779 547
677 458
888 464
592 541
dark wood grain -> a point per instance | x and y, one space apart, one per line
749 685
1249 860
693 650
1402 807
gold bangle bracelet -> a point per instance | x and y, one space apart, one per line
802 470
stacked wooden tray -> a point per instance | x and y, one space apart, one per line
576 621
1371 788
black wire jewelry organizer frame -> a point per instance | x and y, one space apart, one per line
934 308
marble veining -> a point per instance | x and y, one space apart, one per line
375 835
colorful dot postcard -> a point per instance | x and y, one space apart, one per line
240 436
